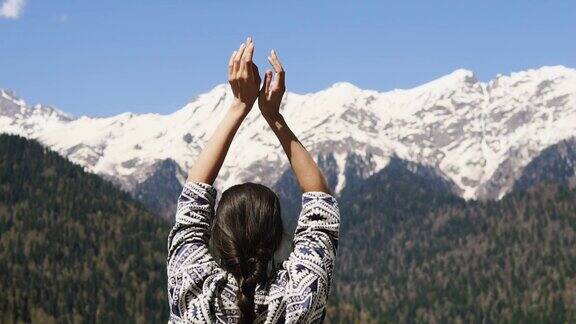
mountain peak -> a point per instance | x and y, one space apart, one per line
456 79
343 85
11 96
547 72
458 76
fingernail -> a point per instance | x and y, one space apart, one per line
249 39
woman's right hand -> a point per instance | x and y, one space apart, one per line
272 91
244 78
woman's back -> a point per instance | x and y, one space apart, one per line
202 291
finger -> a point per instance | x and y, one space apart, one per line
267 81
256 74
279 79
238 57
247 60
273 58
231 64
280 73
249 52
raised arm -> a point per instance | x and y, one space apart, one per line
310 266
309 176
245 80
189 259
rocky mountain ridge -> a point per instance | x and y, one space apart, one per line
478 135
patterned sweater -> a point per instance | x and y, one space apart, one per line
200 291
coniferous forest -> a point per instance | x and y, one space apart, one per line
411 252
73 248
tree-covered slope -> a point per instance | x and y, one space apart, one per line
73 248
556 164
410 252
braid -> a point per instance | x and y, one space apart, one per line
252 271
246 233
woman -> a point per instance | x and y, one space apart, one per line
246 230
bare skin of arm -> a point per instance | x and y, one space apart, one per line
309 176
245 80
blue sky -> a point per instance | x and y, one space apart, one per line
106 57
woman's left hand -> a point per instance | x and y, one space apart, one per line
244 78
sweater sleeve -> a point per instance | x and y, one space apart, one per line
194 214
310 265
189 260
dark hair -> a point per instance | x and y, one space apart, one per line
247 231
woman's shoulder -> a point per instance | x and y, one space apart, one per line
319 197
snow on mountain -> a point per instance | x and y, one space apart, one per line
479 135
18 118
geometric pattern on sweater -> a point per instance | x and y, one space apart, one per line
200 291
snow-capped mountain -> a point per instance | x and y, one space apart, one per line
19 118
478 135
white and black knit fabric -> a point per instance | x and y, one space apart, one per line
200 291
